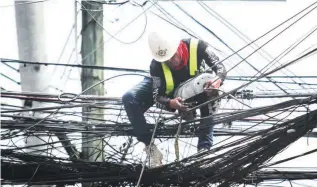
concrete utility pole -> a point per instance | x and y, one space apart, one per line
92 37
31 44
34 78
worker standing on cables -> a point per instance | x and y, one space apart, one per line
178 73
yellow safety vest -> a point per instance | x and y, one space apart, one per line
192 68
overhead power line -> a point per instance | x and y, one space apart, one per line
270 32
25 3
238 33
9 78
235 78
113 36
245 59
272 81
109 2
73 65
279 77
123 28
11 67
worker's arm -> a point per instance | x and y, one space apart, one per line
159 96
161 100
212 60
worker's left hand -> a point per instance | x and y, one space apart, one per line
212 84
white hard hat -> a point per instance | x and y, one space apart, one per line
162 47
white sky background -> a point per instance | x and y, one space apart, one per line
251 18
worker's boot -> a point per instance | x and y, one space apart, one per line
154 155
202 149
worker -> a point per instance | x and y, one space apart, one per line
175 62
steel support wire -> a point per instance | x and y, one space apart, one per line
244 59
104 42
235 30
272 30
113 36
17 70
9 78
261 176
278 82
289 50
181 27
288 159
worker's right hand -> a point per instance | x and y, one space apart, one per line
176 103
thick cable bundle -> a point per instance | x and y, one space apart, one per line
233 166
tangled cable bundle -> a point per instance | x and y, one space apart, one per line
189 128
235 162
233 166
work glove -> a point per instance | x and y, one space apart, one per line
176 103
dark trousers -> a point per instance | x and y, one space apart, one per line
140 98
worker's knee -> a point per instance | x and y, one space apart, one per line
128 98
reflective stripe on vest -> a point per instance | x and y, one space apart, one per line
193 57
192 66
168 78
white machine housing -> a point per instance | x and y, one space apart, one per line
193 86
